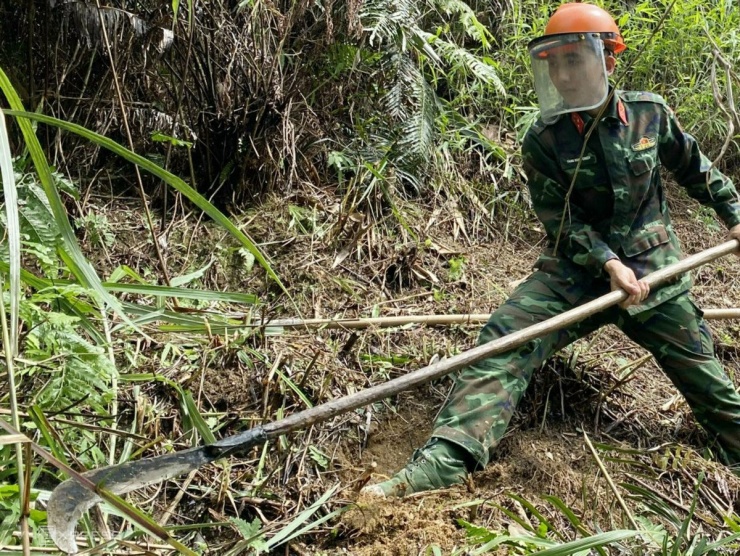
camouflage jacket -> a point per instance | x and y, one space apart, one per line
617 207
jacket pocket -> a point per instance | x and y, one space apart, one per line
590 172
642 166
645 238
642 163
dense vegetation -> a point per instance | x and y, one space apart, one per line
371 107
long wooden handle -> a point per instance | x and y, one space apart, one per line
431 320
327 410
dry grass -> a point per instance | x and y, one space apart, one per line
653 436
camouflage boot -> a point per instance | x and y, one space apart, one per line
439 464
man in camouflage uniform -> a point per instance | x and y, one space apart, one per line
604 211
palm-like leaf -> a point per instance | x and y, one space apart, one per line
418 131
384 21
473 28
462 59
87 19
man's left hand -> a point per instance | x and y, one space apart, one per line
735 234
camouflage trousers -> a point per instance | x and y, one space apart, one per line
486 393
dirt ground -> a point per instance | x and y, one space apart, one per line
644 433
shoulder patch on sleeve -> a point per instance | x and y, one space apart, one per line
641 96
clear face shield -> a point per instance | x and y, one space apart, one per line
569 73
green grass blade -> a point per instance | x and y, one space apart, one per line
536 513
191 413
290 531
182 293
720 543
314 524
683 533
71 254
151 290
293 386
46 430
514 517
653 502
171 179
196 323
567 512
578 545
143 314
13 232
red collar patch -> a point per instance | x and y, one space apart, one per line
622 111
577 120
575 117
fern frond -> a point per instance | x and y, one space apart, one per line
472 27
38 217
386 21
404 74
394 101
458 57
83 371
418 131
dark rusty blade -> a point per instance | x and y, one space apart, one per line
71 499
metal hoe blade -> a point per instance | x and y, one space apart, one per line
70 500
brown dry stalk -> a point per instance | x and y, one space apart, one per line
431 320
124 119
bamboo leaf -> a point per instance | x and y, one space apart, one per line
13 232
72 254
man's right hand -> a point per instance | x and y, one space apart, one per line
622 277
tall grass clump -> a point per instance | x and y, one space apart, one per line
64 375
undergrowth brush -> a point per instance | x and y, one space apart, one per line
398 160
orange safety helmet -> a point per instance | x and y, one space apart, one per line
586 18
